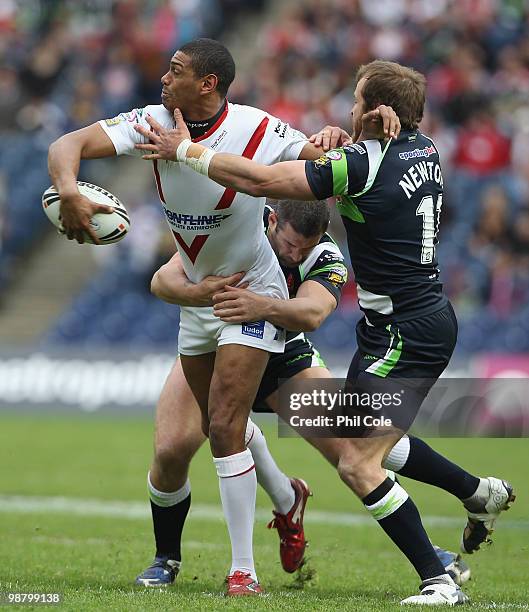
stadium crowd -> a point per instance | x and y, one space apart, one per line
93 62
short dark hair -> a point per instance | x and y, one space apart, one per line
402 88
209 56
306 218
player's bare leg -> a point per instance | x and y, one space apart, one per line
177 411
198 372
236 377
178 436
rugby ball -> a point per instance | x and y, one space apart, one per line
108 228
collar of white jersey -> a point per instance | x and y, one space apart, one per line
216 125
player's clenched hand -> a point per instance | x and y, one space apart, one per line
76 212
163 142
238 305
330 137
382 122
208 287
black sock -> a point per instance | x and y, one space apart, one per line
426 465
404 527
168 525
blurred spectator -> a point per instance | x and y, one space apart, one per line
481 148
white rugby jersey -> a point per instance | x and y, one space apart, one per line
217 231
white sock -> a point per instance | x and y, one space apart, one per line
398 455
165 500
269 476
238 487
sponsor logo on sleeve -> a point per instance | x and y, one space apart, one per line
255 330
358 148
134 116
281 128
322 161
334 155
113 121
336 279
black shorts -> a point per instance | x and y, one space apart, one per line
410 355
299 355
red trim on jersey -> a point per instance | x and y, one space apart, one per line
158 181
242 473
194 248
229 194
215 126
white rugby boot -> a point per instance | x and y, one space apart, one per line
442 591
492 497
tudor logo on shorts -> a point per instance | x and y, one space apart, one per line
256 329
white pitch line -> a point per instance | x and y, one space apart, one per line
140 510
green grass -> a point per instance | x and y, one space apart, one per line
93 560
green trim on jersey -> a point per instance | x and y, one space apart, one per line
383 366
347 208
340 177
370 181
346 205
317 360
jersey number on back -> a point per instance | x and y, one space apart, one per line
430 226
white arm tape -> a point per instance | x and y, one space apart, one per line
182 150
201 165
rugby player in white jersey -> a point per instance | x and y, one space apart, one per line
218 232
314 268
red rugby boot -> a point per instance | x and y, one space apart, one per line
292 541
242 584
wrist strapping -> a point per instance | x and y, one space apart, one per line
182 148
200 164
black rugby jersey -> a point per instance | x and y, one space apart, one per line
390 197
324 265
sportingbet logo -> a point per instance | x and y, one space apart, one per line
426 152
256 330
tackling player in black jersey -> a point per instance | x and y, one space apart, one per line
390 199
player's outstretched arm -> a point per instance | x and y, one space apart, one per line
305 312
285 180
282 181
64 157
171 284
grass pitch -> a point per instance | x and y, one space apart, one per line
74 519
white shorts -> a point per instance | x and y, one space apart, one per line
202 332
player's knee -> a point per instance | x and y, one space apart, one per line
173 457
226 425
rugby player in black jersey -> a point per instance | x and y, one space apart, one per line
315 273
390 200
